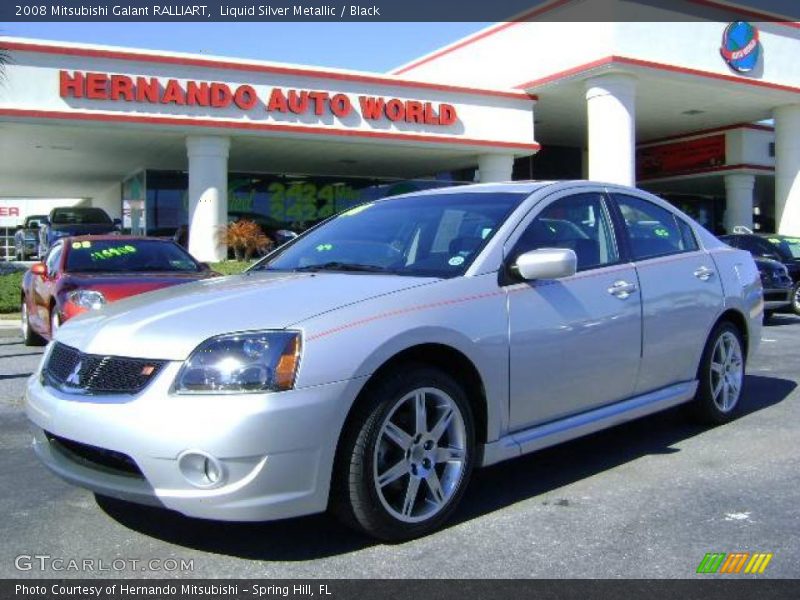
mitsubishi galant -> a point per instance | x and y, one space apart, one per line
369 365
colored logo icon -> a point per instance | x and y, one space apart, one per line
740 46
736 562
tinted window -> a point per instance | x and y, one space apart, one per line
789 248
437 235
756 246
652 230
80 216
580 223
687 235
53 260
128 256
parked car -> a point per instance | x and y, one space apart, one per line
371 364
84 273
783 248
77 220
26 238
778 286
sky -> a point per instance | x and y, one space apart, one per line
377 47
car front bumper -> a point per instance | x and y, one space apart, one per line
274 451
775 298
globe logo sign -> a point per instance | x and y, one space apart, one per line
740 46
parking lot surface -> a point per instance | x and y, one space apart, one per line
646 500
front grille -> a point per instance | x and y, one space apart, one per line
109 460
73 371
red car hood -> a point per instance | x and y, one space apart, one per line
115 286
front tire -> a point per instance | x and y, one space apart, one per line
406 456
721 376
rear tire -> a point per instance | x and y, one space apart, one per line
29 336
406 455
721 376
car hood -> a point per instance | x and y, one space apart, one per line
170 323
116 286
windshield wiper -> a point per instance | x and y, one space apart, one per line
343 266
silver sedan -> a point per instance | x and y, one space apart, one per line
368 366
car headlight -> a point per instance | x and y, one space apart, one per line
260 361
91 299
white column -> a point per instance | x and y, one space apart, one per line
495 167
208 195
787 169
611 112
739 201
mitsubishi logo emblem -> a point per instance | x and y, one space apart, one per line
74 378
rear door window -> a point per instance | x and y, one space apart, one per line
652 230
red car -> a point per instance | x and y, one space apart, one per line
84 273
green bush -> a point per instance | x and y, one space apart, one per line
230 267
9 292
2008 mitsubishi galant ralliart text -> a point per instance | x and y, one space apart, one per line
370 364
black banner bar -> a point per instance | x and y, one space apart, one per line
713 588
389 10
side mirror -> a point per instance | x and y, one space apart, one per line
39 269
205 266
546 263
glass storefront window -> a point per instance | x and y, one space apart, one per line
274 201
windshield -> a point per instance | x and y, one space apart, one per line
430 235
787 247
118 256
80 216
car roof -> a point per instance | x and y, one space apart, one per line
522 187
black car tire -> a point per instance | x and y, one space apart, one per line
705 406
359 499
29 336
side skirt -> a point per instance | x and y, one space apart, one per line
569 428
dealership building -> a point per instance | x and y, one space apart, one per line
699 103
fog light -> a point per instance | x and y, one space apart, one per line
200 469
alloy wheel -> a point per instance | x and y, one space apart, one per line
727 372
420 455
796 299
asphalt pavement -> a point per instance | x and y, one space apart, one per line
644 500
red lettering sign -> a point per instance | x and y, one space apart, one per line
677 158
9 211
115 88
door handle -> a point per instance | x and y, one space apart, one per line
622 289
704 273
